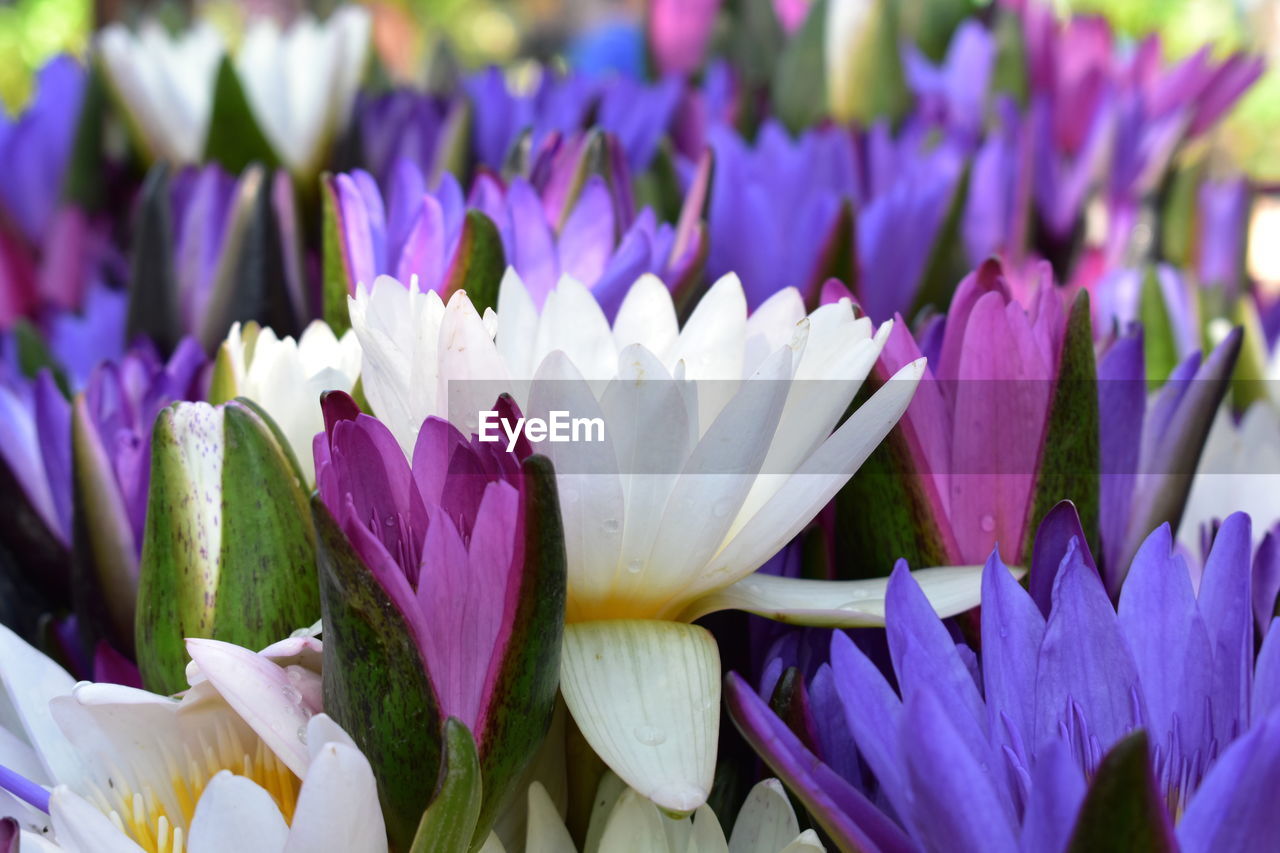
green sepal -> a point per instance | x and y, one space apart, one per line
799 86
523 700
453 145
1160 346
250 281
235 139
153 284
256 581
947 263
336 273
1010 74
838 258
1122 810
34 355
223 385
1249 379
84 183
105 561
478 264
881 89
375 682
931 24
888 511
448 824
1070 460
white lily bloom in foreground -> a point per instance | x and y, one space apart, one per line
621 819
721 441
242 761
165 83
286 378
301 81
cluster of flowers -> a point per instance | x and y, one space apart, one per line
929 380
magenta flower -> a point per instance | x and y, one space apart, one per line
443 590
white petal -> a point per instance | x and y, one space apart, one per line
766 822
707 835
29 680
647 317
234 815
545 831
517 325
338 805
82 828
607 794
635 826
646 696
806 842
261 693
813 484
841 604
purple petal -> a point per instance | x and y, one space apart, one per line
1266 674
1057 790
1060 526
1226 604
1012 631
1233 809
844 813
956 804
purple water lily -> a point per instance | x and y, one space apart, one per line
996 750
47 248
406 125
548 228
93 453
897 188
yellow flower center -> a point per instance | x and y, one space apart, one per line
139 810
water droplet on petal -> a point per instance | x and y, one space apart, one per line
291 695
611 525
988 523
650 735
634 566
302 733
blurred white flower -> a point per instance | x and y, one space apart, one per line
286 378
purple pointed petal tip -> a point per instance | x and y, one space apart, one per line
844 812
1059 528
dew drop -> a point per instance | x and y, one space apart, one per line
988 523
291 695
302 734
650 735
611 525
390 521
634 566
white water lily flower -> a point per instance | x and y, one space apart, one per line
622 819
722 440
286 378
165 83
301 81
1239 470
242 761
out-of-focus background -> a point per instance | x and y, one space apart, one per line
479 32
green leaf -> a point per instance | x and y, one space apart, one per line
153 284
449 822
336 272
228 551
235 139
1123 811
1070 461
528 679
932 23
105 565
799 89
375 682
478 263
